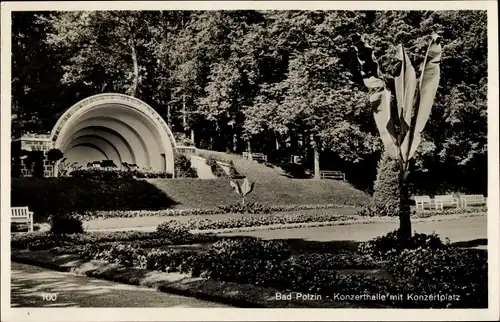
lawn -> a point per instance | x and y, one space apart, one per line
273 190
272 186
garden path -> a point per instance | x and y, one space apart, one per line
463 229
29 282
203 170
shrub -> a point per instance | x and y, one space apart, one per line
212 163
336 260
233 172
174 230
390 244
66 224
386 186
378 210
183 168
249 248
461 273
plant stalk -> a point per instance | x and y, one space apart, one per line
404 207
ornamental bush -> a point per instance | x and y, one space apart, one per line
212 163
69 223
174 229
386 186
233 172
183 168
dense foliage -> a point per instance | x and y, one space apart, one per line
390 244
68 223
386 187
183 168
278 82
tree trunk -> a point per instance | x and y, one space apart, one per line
235 141
135 82
249 148
317 174
404 208
169 115
184 116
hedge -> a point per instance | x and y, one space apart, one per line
46 196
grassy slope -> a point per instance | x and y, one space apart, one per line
271 186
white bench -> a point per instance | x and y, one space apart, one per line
472 200
255 156
326 174
422 201
22 215
442 201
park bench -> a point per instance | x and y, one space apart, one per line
22 215
259 157
472 200
186 149
422 201
337 175
442 201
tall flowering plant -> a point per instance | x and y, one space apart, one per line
401 131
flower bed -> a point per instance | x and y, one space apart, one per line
114 173
454 211
47 240
223 209
377 211
251 221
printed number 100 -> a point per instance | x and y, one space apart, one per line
49 296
